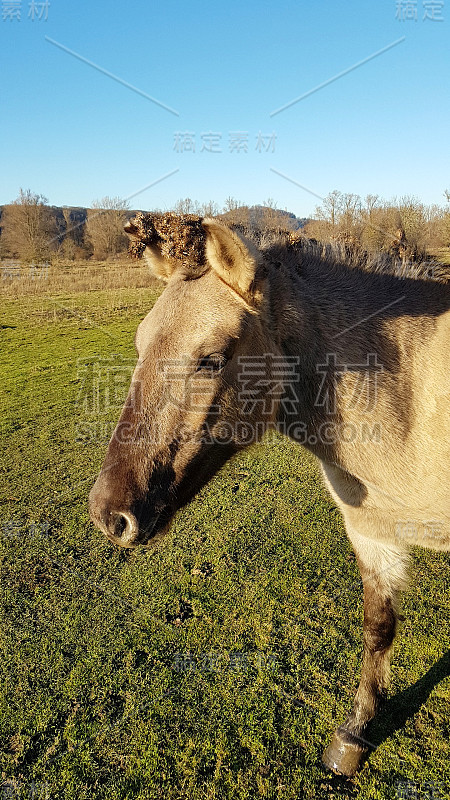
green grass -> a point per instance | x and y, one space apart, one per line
255 588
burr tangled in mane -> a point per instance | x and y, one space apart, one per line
178 238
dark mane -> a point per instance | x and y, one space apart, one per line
181 238
301 253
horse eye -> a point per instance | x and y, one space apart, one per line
212 364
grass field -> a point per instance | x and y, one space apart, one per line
215 667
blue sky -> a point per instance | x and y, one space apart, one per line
74 134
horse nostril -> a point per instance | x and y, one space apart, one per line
122 528
120 525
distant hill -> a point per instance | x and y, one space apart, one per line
260 216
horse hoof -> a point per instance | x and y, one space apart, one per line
343 756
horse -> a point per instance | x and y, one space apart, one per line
344 358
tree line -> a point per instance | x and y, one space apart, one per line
31 230
406 228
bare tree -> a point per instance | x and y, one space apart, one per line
29 229
331 208
372 201
372 235
209 209
349 222
104 226
414 224
231 204
186 206
445 226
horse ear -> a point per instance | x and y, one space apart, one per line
161 267
233 257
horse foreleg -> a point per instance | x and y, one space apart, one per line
383 574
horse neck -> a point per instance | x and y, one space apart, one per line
314 323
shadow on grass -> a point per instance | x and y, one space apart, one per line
397 710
